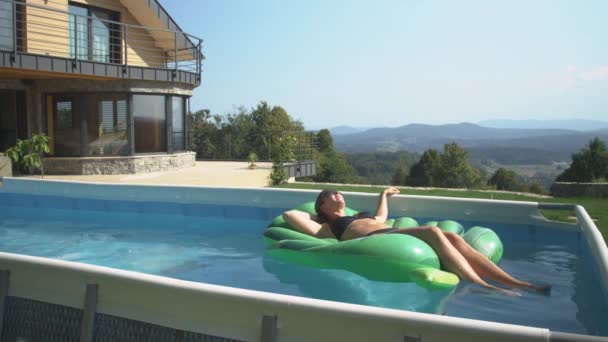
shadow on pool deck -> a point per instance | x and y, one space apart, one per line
214 173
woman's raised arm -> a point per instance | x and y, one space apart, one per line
382 210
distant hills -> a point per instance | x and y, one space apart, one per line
525 145
339 130
578 125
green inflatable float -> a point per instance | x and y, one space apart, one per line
381 257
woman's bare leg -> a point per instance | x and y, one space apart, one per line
486 268
451 259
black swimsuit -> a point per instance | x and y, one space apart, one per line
339 225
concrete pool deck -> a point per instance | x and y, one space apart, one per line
214 173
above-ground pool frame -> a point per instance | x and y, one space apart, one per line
55 300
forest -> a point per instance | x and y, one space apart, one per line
270 133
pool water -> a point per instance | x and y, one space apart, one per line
224 246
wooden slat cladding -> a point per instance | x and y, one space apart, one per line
48 33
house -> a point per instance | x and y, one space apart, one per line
108 81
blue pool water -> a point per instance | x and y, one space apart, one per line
224 246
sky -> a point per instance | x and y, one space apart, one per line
395 62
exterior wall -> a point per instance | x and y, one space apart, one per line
563 189
119 165
6 167
47 32
127 86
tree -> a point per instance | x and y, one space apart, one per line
423 172
234 136
331 166
326 141
269 126
400 176
504 179
455 171
588 165
449 169
536 188
203 131
380 167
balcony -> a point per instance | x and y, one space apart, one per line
39 41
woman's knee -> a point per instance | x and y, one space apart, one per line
454 238
432 230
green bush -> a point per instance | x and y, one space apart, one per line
26 154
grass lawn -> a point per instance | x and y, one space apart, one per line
596 207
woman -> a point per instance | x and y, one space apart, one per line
455 254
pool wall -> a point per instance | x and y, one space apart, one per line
88 303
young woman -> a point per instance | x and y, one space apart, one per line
455 254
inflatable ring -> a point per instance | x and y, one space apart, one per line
381 257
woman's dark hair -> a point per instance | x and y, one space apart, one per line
320 200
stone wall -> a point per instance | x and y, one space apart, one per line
118 165
6 167
563 189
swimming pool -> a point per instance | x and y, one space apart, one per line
214 236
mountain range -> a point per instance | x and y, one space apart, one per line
556 144
578 125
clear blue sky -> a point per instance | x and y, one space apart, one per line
390 63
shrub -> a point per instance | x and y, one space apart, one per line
25 155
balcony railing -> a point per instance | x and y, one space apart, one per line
41 30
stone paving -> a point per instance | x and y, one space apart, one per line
214 173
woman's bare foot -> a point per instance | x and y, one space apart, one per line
541 288
509 293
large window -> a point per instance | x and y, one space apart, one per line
149 114
179 129
107 125
99 124
12 20
92 36
6 26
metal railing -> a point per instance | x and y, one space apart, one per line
299 146
41 30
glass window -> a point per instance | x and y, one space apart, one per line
65 127
6 26
64 117
103 42
100 35
177 105
107 125
79 32
150 119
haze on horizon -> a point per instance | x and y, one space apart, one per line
394 62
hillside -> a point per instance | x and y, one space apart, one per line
579 125
529 145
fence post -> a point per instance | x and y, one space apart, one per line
175 57
198 60
4 287
269 138
126 59
75 40
14 29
